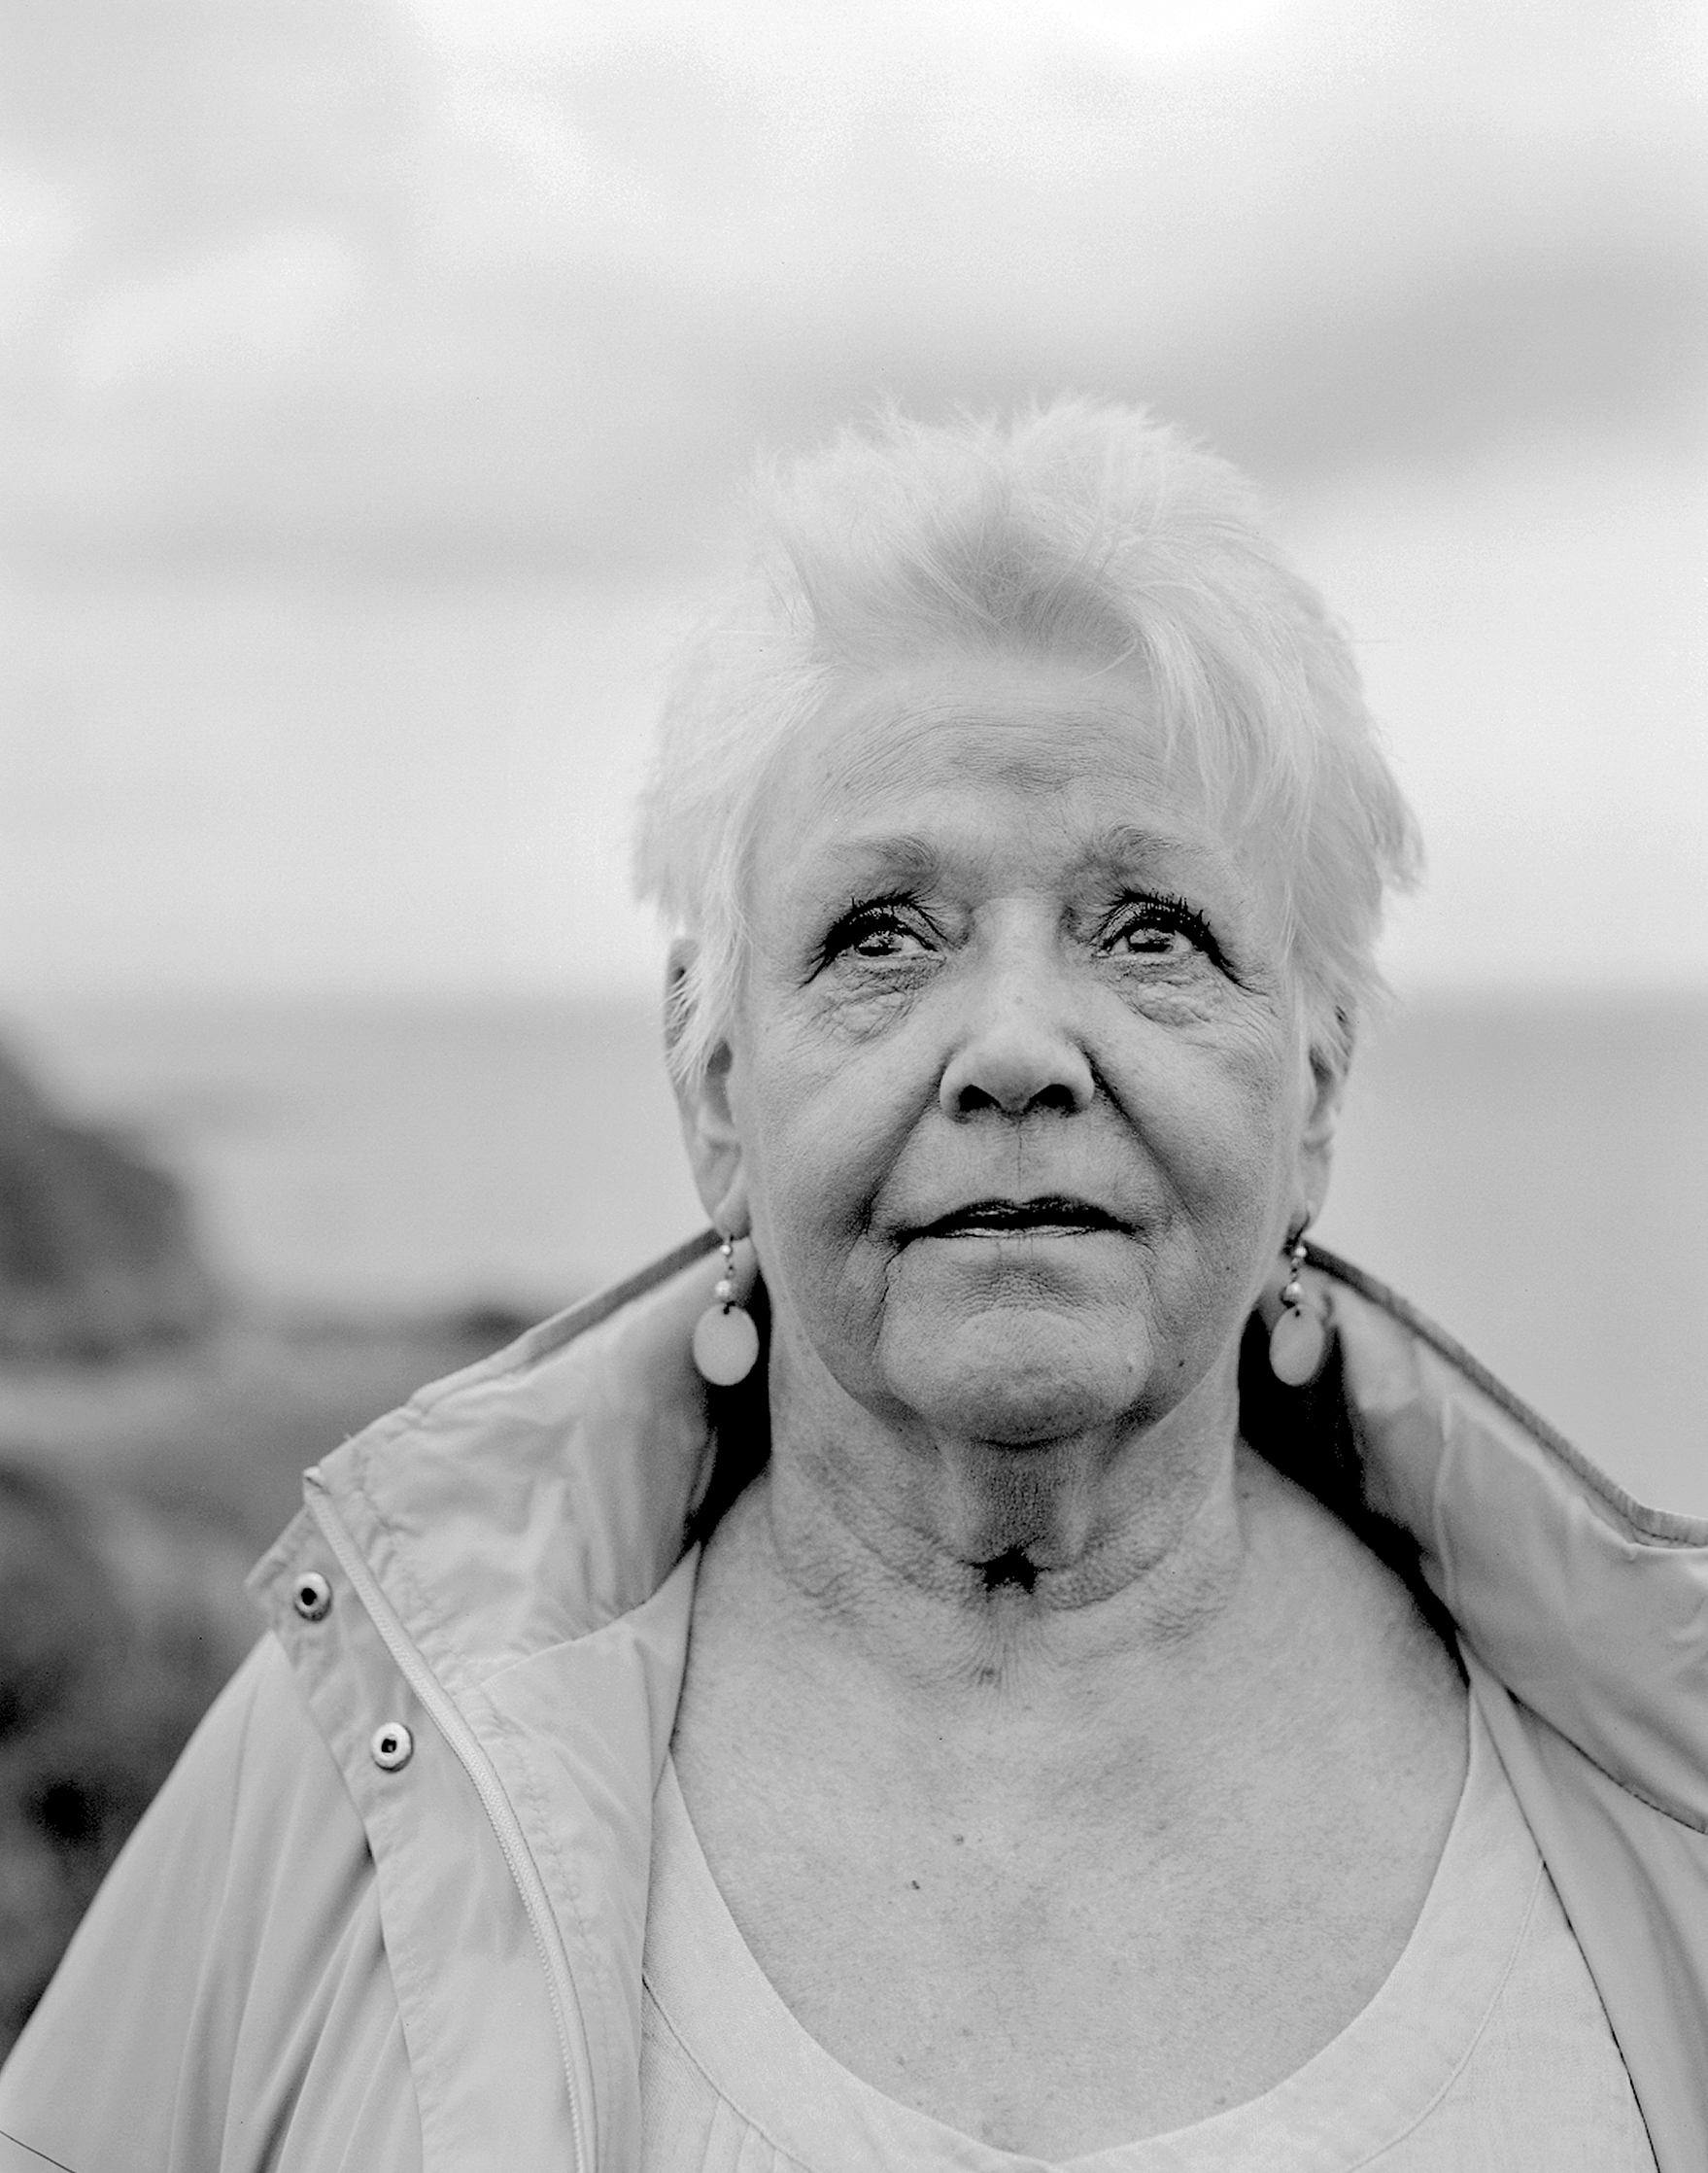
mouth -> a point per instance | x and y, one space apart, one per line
1055 1214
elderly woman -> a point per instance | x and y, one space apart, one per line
1081 1681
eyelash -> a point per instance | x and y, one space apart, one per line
1172 913
867 914
864 915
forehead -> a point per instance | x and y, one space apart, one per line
985 753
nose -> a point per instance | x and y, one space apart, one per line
1017 1053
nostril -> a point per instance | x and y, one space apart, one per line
1017 1062
1059 1097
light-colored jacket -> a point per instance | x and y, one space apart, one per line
389 1912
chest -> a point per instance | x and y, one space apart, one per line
1487 2029
1056 1964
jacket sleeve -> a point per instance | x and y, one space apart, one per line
226 2003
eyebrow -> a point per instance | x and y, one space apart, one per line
1126 843
899 854
1116 850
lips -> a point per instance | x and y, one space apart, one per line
1051 1214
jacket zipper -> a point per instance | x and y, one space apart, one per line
506 1826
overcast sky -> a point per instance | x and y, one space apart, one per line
373 375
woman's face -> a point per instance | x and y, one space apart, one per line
1016 1098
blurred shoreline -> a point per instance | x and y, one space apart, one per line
1533 1169
218 1429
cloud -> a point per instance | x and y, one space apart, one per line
229 321
381 286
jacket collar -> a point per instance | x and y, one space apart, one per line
543 1494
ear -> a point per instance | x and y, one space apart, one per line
702 1106
1325 1092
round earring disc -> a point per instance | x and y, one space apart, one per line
725 1344
1296 1345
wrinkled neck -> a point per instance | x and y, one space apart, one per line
937 1551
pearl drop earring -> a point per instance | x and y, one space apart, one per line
726 1342
1299 1339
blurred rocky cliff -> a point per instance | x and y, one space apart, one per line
96 1255
153 1432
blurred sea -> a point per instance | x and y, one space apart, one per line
1532 1172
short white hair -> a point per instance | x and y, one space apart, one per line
1080 530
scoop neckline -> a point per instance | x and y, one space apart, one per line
1361 2093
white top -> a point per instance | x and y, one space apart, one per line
1486 2049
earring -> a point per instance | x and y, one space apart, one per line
726 1342
1299 1339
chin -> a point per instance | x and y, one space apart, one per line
1017 1377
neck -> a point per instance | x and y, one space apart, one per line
964 1560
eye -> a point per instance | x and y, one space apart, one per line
876 929
880 939
1158 927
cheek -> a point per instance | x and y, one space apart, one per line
1223 1121
819 1134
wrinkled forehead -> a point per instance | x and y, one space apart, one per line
1062 741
